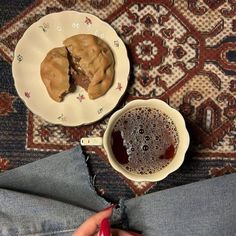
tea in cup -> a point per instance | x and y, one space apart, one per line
145 140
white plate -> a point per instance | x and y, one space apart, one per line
47 33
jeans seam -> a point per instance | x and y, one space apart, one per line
49 233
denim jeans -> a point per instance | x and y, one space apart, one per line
53 196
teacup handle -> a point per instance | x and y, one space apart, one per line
93 141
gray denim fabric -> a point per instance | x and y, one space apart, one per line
202 208
50 195
53 196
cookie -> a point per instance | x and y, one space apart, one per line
85 60
92 63
54 71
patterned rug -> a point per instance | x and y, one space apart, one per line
182 51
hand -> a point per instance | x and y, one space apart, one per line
98 225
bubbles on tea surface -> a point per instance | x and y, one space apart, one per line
141 131
145 148
147 135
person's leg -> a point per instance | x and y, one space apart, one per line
63 176
202 208
52 196
26 214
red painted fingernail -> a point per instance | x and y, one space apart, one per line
133 233
109 207
104 228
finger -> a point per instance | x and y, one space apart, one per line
90 226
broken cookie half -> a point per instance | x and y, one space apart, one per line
86 61
54 72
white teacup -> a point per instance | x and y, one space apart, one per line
175 163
